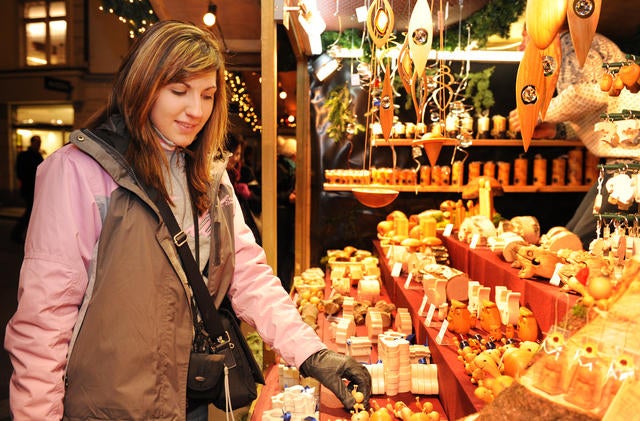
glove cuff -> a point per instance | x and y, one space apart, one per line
306 368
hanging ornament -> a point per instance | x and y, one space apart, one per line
551 59
544 18
417 87
405 65
386 105
530 92
583 16
420 35
380 21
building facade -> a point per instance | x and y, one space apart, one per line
59 58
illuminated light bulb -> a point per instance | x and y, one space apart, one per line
209 18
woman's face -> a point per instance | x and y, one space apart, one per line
182 109
235 158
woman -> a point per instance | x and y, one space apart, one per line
104 325
244 184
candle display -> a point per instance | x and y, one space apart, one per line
457 173
489 169
520 168
559 171
474 170
483 126
539 171
504 171
575 167
499 126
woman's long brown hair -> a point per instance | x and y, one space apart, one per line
168 52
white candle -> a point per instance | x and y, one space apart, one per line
483 124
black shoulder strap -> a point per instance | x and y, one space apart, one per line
201 293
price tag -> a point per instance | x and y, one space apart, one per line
396 270
555 278
422 305
408 281
430 313
389 251
443 330
474 241
448 229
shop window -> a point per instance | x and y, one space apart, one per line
45 26
52 122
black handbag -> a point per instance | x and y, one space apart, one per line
225 375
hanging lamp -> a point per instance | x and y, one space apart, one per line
210 17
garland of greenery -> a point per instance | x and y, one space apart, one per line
344 122
478 89
495 18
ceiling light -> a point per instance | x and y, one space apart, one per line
324 66
209 18
282 94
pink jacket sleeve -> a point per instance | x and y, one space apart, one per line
259 299
62 234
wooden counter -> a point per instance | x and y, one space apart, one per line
549 304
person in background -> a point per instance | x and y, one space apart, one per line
26 165
286 199
104 325
576 108
245 185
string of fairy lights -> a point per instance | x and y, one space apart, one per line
240 99
139 15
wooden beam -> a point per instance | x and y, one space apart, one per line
269 68
303 168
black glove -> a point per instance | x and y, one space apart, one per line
329 368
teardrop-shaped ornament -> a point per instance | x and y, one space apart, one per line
544 18
530 92
386 105
583 16
551 59
420 34
405 66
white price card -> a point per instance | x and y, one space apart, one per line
389 251
422 305
448 229
474 241
555 278
443 330
397 269
430 313
408 281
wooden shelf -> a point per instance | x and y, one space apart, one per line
546 143
458 189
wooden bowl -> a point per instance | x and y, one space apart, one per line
374 197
